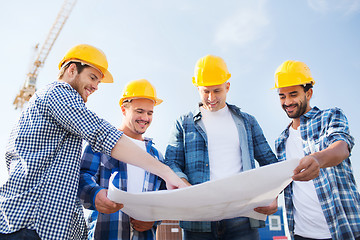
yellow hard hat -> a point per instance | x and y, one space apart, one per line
91 56
292 73
141 88
209 71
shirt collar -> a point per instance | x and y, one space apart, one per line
197 113
148 140
312 113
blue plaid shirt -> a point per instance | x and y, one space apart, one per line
96 169
187 152
43 160
335 186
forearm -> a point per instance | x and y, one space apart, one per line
88 190
262 150
128 152
333 155
175 158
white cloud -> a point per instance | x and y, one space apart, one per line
345 6
244 26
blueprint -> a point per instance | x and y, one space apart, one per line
225 198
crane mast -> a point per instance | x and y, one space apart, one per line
29 87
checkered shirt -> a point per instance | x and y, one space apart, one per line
95 172
43 160
335 186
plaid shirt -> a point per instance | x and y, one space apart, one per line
96 169
187 152
335 186
43 160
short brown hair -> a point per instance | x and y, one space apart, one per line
79 68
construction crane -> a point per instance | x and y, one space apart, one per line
29 87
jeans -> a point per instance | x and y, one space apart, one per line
228 229
21 235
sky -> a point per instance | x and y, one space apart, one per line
161 40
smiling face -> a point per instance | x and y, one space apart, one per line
213 98
137 117
86 82
295 101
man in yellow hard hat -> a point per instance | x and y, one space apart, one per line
39 199
105 220
214 141
323 201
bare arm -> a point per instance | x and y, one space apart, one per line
130 153
333 155
309 166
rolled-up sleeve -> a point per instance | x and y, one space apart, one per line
338 129
175 155
262 150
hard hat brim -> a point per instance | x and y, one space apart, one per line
157 101
312 82
108 78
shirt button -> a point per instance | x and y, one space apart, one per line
207 165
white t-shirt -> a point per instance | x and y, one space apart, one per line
135 174
309 218
223 143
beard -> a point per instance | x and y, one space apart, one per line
300 109
141 132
